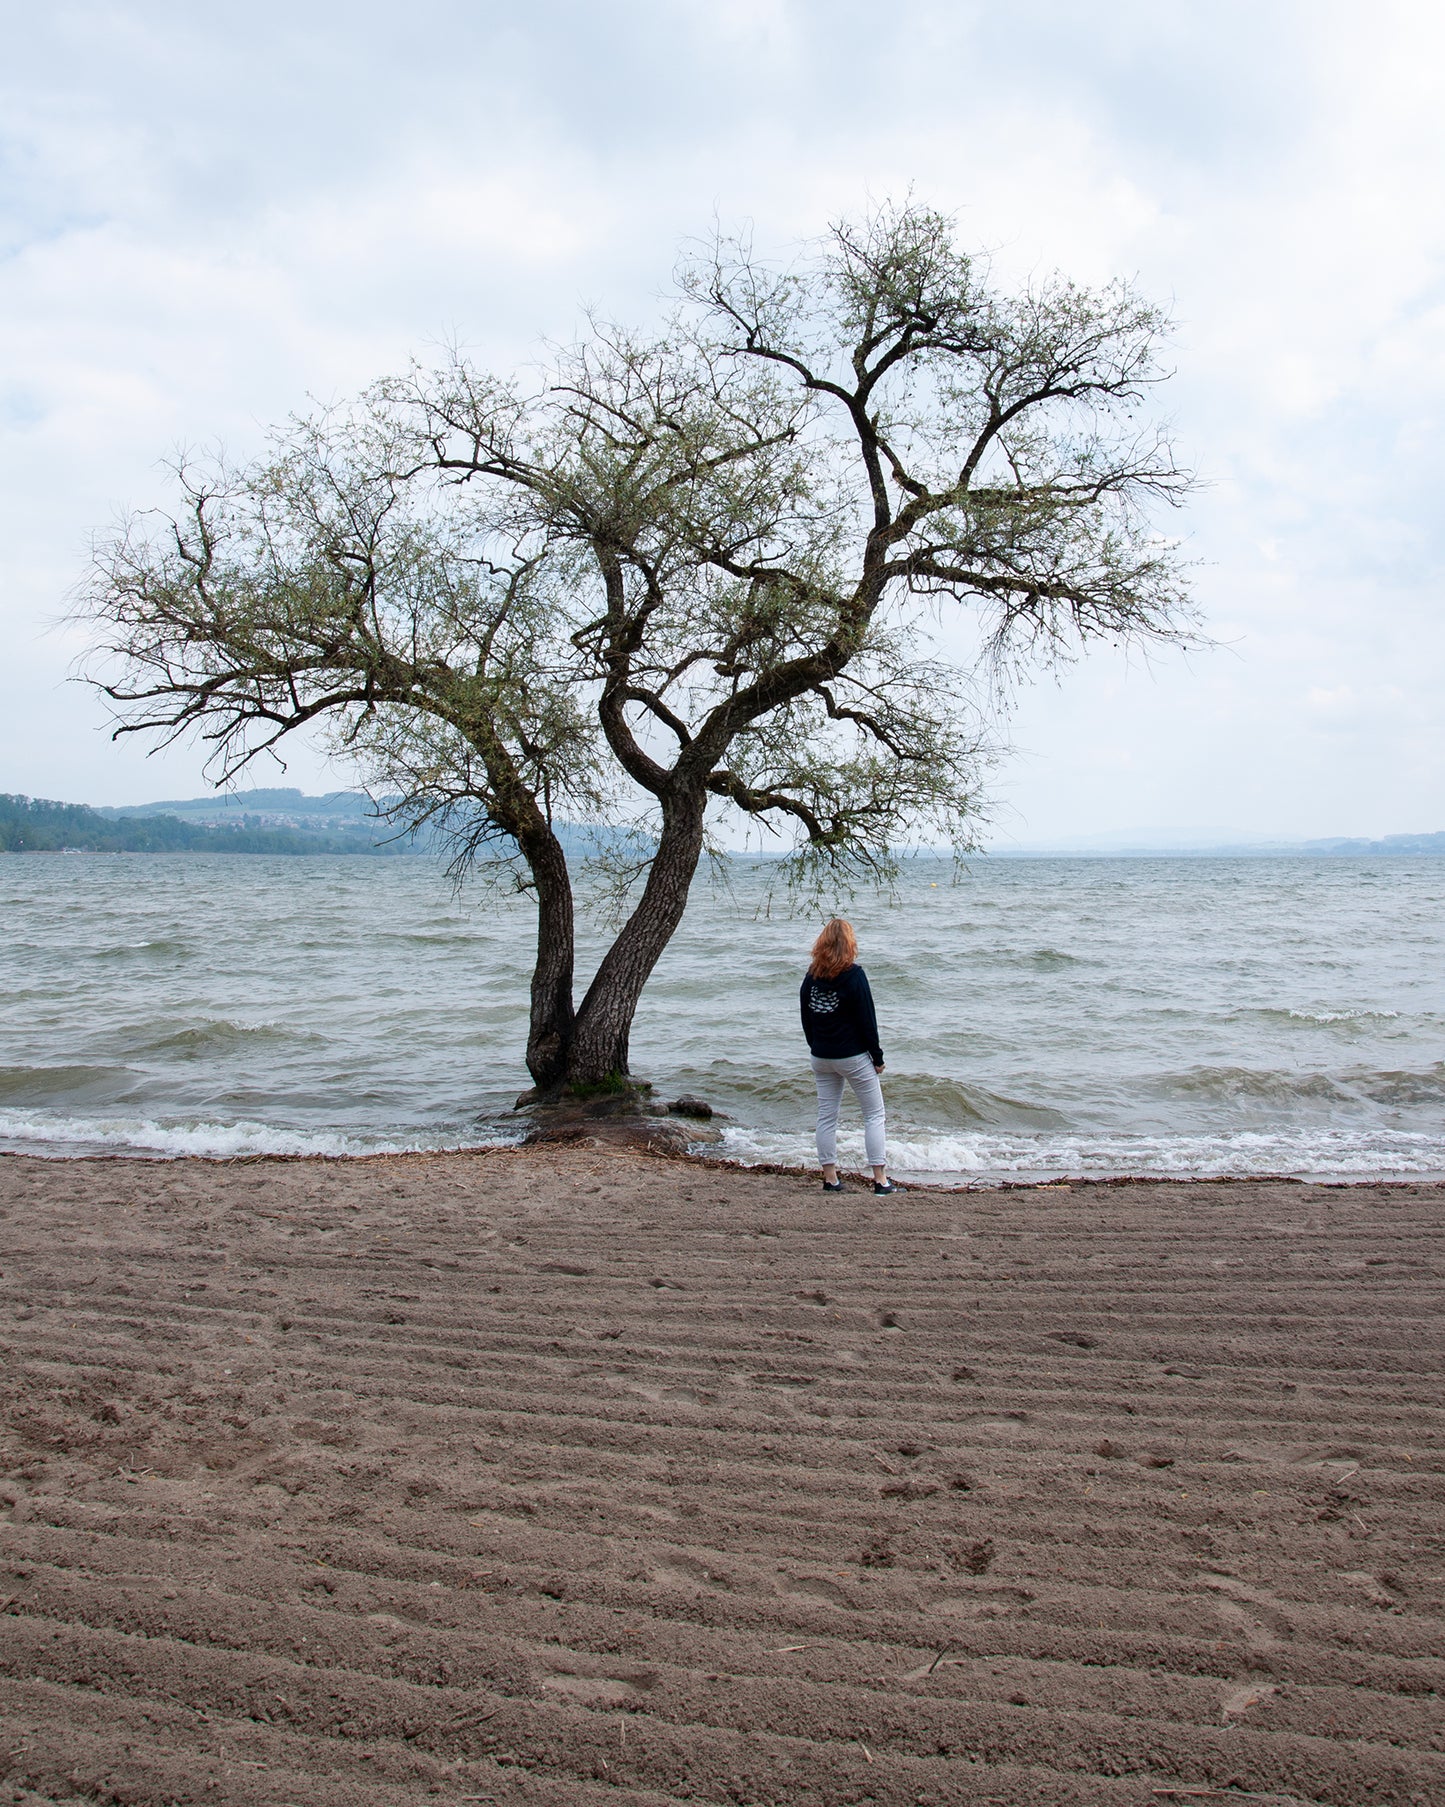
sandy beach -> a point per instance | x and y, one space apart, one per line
574 1474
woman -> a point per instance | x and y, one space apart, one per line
842 1034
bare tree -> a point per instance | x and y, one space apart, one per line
723 569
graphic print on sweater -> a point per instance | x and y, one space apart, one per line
823 1002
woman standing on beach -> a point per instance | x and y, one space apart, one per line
842 1033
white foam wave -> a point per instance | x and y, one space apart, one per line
1304 1154
43 1134
1344 1016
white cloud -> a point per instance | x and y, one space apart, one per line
206 218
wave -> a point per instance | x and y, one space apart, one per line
982 1156
164 947
1036 959
464 936
1322 1018
1253 1084
43 1133
1340 1016
1401 1089
947 1103
35 1085
772 1093
220 1035
1349 1088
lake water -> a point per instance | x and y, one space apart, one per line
1040 1017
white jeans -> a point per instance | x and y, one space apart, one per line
862 1075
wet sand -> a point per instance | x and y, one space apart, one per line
574 1475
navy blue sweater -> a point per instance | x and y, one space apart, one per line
838 1017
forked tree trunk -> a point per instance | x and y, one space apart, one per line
604 1021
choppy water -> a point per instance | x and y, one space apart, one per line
1040 1017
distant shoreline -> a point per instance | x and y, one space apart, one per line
225 843
349 822
1289 851
37 825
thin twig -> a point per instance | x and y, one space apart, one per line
453 1724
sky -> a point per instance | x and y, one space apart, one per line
208 215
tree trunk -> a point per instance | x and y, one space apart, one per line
549 1032
604 1022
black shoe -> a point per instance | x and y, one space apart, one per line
891 1186
836 1186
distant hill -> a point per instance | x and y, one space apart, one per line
1392 843
260 821
341 812
348 818
1159 845
288 821
36 825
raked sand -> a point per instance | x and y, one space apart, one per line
575 1475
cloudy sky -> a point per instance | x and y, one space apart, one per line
209 213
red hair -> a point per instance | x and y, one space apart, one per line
834 951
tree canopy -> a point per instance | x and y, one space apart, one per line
754 563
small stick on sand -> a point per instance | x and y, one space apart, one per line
1224 1794
454 1724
